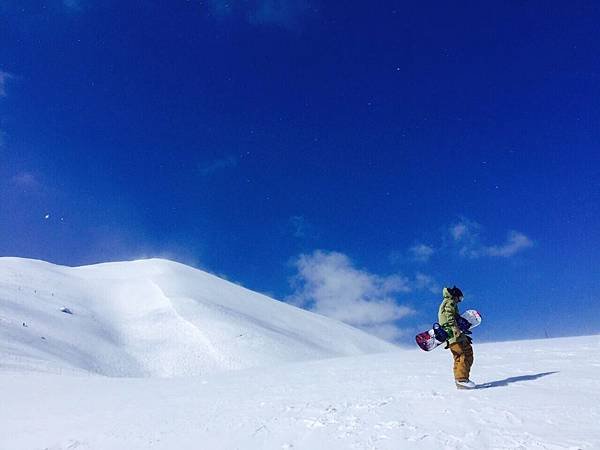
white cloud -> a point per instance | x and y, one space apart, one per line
421 252
465 231
466 234
329 284
515 242
458 231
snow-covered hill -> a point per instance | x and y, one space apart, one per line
154 318
159 319
537 395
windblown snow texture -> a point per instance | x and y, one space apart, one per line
154 318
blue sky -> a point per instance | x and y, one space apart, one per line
346 159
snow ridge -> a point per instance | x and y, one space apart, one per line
154 318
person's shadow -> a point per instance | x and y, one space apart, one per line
510 380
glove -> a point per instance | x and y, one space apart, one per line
456 332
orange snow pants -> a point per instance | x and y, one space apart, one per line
462 352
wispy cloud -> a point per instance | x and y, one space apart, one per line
4 77
466 231
329 284
466 235
72 4
300 227
427 282
209 168
281 13
26 181
515 242
421 252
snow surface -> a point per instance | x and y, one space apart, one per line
154 318
260 391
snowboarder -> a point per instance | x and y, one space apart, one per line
458 342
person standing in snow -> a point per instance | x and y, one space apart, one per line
458 342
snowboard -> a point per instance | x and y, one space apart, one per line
428 340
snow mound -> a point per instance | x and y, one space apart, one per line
154 318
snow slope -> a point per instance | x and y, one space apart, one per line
154 318
539 395
172 336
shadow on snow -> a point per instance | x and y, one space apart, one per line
510 380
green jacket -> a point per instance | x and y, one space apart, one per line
447 318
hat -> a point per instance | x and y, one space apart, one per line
455 292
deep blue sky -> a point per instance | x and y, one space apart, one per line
237 136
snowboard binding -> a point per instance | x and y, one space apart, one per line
439 333
463 325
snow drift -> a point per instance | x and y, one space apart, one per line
154 318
